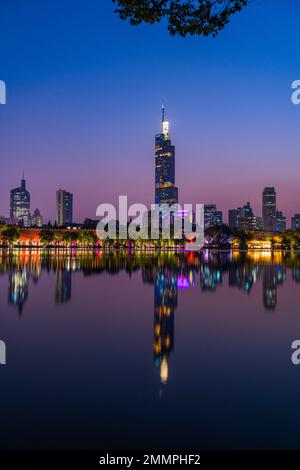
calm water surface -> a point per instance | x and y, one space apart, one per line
149 351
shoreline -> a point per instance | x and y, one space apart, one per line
5 248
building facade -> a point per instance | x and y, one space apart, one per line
269 209
20 205
243 218
280 222
36 219
233 218
165 190
296 222
64 207
212 217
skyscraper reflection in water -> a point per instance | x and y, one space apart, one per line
18 288
273 276
165 303
167 273
63 286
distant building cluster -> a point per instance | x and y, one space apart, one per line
272 219
20 208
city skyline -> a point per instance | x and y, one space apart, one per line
271 219
87 123
166 192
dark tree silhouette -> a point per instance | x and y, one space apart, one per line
194 17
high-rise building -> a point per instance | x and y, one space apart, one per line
212 217
36 219
280 222
165 190
269 209
296 222
64 207
20 205
233 215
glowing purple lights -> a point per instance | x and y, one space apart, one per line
182 282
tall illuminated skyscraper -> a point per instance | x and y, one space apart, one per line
165 190
20 205
64 207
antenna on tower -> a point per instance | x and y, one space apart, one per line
162 112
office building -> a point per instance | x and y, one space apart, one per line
20 205
296 222
233 218
212 217
64 207
280 222
269 209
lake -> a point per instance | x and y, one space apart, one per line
149 351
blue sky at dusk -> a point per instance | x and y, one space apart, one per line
84 92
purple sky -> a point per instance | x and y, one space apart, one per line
84 96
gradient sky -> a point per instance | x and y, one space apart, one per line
84 92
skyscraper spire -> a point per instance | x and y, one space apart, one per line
164 123
23 184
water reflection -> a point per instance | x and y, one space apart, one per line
63 287
18 288
199 315
165 303
166 271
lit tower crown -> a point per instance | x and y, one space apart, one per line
164 124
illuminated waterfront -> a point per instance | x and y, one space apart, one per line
163 348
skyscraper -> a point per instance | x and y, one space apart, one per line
20 205
269 209
296 222
64 207
280 222
212 217
233 218
165 190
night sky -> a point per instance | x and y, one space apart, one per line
84 93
